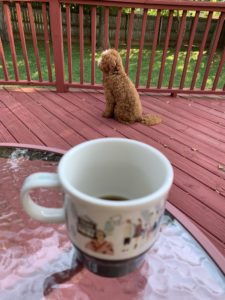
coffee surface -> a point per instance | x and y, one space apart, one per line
113 198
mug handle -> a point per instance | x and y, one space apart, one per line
38 212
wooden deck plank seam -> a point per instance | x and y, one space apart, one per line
204 123
56 119
24 123
82 119
74 115
15 121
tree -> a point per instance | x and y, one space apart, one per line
100 40
3 31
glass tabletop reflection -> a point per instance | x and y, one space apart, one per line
37 261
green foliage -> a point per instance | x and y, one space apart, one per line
132 66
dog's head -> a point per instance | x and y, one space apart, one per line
110 62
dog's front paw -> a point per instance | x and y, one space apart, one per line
107 114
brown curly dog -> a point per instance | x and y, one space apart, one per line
122 99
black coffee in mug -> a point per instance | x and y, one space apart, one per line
113 198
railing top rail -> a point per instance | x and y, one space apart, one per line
34 1
156 4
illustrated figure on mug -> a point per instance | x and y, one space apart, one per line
154 219
138 232
99 244
132 234
135 234
128 232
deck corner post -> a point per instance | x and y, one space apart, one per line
57 42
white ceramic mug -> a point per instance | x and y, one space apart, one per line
110 236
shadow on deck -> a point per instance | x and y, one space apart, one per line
192 136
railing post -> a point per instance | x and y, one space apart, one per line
57 42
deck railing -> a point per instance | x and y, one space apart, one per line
66 56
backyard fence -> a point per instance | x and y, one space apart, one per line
150 23
184 54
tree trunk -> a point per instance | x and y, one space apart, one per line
3 31
221 43
100 40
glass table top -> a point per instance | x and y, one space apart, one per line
37 261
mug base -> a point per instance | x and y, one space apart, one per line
108 268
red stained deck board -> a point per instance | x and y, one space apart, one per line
197 153
17 129
187 127
191 105
194 124
55 104
5 135
219 245
195 210
196 116
201 112
32 122
29 100
214 103
91 115
196 140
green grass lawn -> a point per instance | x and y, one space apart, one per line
132 66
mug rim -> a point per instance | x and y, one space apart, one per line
110 203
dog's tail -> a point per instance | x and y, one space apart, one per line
150 120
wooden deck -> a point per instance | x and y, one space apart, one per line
192 136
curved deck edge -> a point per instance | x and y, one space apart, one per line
31 146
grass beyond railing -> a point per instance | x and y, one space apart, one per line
132 65
64 58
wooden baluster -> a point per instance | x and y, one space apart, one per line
81 39
69 42
200 54
11 39
106 28
179 43
154 45
93 43
215 43
168 32
22 38
219 70
129 40
118 23
2 57
34 39
141 46
192 35
57 40
46 36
